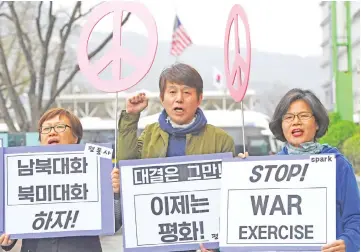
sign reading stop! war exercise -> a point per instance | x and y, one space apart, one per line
278 203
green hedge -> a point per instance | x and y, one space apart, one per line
338 133
351 149
344 135
334 118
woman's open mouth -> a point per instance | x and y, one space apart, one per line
297 132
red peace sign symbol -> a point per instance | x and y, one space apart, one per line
142 65
239 63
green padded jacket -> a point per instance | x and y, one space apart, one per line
153 141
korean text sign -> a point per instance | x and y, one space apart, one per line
171 204
278 203
56 191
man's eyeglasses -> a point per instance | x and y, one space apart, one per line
57 128
303 116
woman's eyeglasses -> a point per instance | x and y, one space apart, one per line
57 128
303 116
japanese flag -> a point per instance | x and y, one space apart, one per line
218 78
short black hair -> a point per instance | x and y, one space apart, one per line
318 110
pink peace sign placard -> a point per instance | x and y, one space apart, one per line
233 75
117 54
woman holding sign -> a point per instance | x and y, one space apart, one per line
60 126
299 120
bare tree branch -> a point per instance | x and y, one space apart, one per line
80 15
26 81
28 42
6 16
83 14
6 114
19 65
68 25
9 50
18 68
38 28
29 64
3 87
44 55
76 67
27 53
61 52
10 46
20 113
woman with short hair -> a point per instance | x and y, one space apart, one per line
60 126
299 120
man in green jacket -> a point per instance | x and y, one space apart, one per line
181 129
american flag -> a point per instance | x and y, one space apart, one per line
180 39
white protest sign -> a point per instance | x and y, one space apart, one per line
171 203
278 203
96 150
52 192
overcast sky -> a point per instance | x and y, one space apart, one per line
282 26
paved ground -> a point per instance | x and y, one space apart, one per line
112 243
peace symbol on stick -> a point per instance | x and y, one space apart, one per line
234 76
114 56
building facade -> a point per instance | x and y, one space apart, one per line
326 64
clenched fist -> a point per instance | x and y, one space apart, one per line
115 180
137 104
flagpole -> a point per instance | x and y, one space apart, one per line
180 38
224 98
175 10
